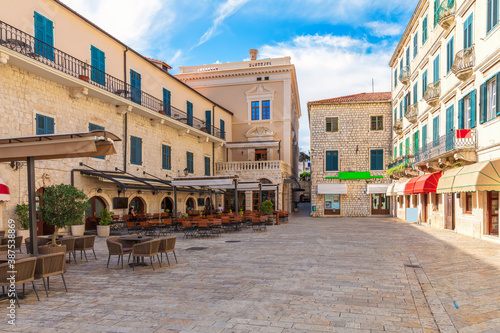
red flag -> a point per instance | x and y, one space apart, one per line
463 133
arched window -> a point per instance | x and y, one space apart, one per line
138 205
167 203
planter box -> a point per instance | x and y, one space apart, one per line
103 230
78 230
84 78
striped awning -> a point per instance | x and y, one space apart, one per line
427 183
390 190
400 186
4 191
410 185
482 176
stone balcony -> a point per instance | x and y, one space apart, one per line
398 126
253 170
433 93
464 62
405 75
446 14
412 113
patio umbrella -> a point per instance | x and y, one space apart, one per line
48 147
4 191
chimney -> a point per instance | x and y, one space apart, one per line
253 54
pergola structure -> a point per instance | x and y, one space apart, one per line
49 147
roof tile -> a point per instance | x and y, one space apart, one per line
362 97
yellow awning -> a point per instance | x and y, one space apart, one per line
482 176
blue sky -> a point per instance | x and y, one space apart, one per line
337 46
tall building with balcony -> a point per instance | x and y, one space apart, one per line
264 96
59 73
350 144
445 94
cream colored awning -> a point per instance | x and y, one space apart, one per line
332 188
482 176
399 188
390 190
376 188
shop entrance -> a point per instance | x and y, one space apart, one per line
448 211
493 213
93 213
332 204
380 204
424 207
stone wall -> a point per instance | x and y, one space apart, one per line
354 140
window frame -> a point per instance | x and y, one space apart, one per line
468 204
135 143
490 25
379 120
266 109
190 162
331 124
166 157
46 129
206 161
379 163
335 168
255 110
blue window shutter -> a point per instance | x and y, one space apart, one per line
424 83
415 44
408 56
473 109
39 33
40 125
424 136
135 82
336 160
132 150
498 93
401 149
424 30
372 160
395 77
396 113
329 161
436 69
415 95
207 166
166 158
166 102
222 129
483 91
461 114
98 65
449 55
139 151
49 39
208 121
189 113
401 109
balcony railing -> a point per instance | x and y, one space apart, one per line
464 62
412 113
25 44
432 93
404 76
248 166
455 140
398 126
446 14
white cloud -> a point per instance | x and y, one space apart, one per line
330 66
225 10
382 29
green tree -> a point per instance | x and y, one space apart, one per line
63 205
22 212
267 207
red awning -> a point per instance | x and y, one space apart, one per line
4 191
427 183
410 185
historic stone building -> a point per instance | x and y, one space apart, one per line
59 73
350 144
264 96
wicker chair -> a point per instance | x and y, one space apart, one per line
50 265
41 241
18 241
25 273
70 247
48 249
146 249
4 249
2 233
167 245
85 243
115 248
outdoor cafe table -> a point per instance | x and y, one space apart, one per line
137 239
18 256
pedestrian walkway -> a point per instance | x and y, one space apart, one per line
311 274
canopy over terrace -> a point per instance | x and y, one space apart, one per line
481 176
53 146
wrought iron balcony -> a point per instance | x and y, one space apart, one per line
27 45
432 93
398 126
464 62
412 113
448 144
446 14
404 76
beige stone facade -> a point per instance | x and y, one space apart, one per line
34 85
352 141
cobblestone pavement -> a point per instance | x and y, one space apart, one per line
310 275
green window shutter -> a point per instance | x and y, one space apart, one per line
40 125
483 92
436 69
135 150
401 109
189 107
424 83
207 166
97 61
395 151
424 30
332 160
461 116
498 94
424 137
435 131
407 146
189 162
377 159
449 55
208 121
415 45
401 149
415 91
473 109
222 129
166 157
395 77
396 113
167 108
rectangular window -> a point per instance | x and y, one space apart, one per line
94 127
415 93
98 66
395 151
408 56
416 142
401 65
207 166
435 132
407 146
436 10
376 123
415 44
491 15
255 111
424 137
401 109
377 159
395 113
208 121
44 37
468 202
222 129
167 100
44 125
189 162
468 32
332 160
449 55
467 111
489 99
424 83
189 107
424 30
407 102
332 124
135 83
395 77
436 68
135 150
266 110
401 149
166 157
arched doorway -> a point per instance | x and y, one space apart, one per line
190 204
208 203
138 205
167 203
93 213
42 228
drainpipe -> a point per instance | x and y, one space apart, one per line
125 132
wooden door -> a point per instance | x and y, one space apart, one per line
448 211
424 207
380 204
493 213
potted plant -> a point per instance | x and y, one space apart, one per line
241 211
267 208
22 212
78 229
103 228
84 66
185 215
295 206
167 211
63 205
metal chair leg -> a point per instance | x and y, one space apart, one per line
64 282
129 257
133 263
118 262
34 288
48 282
45 287
17 300
158 259
166 255
122 260
94 254
74 257
175 257
151 260
85 252
109 257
